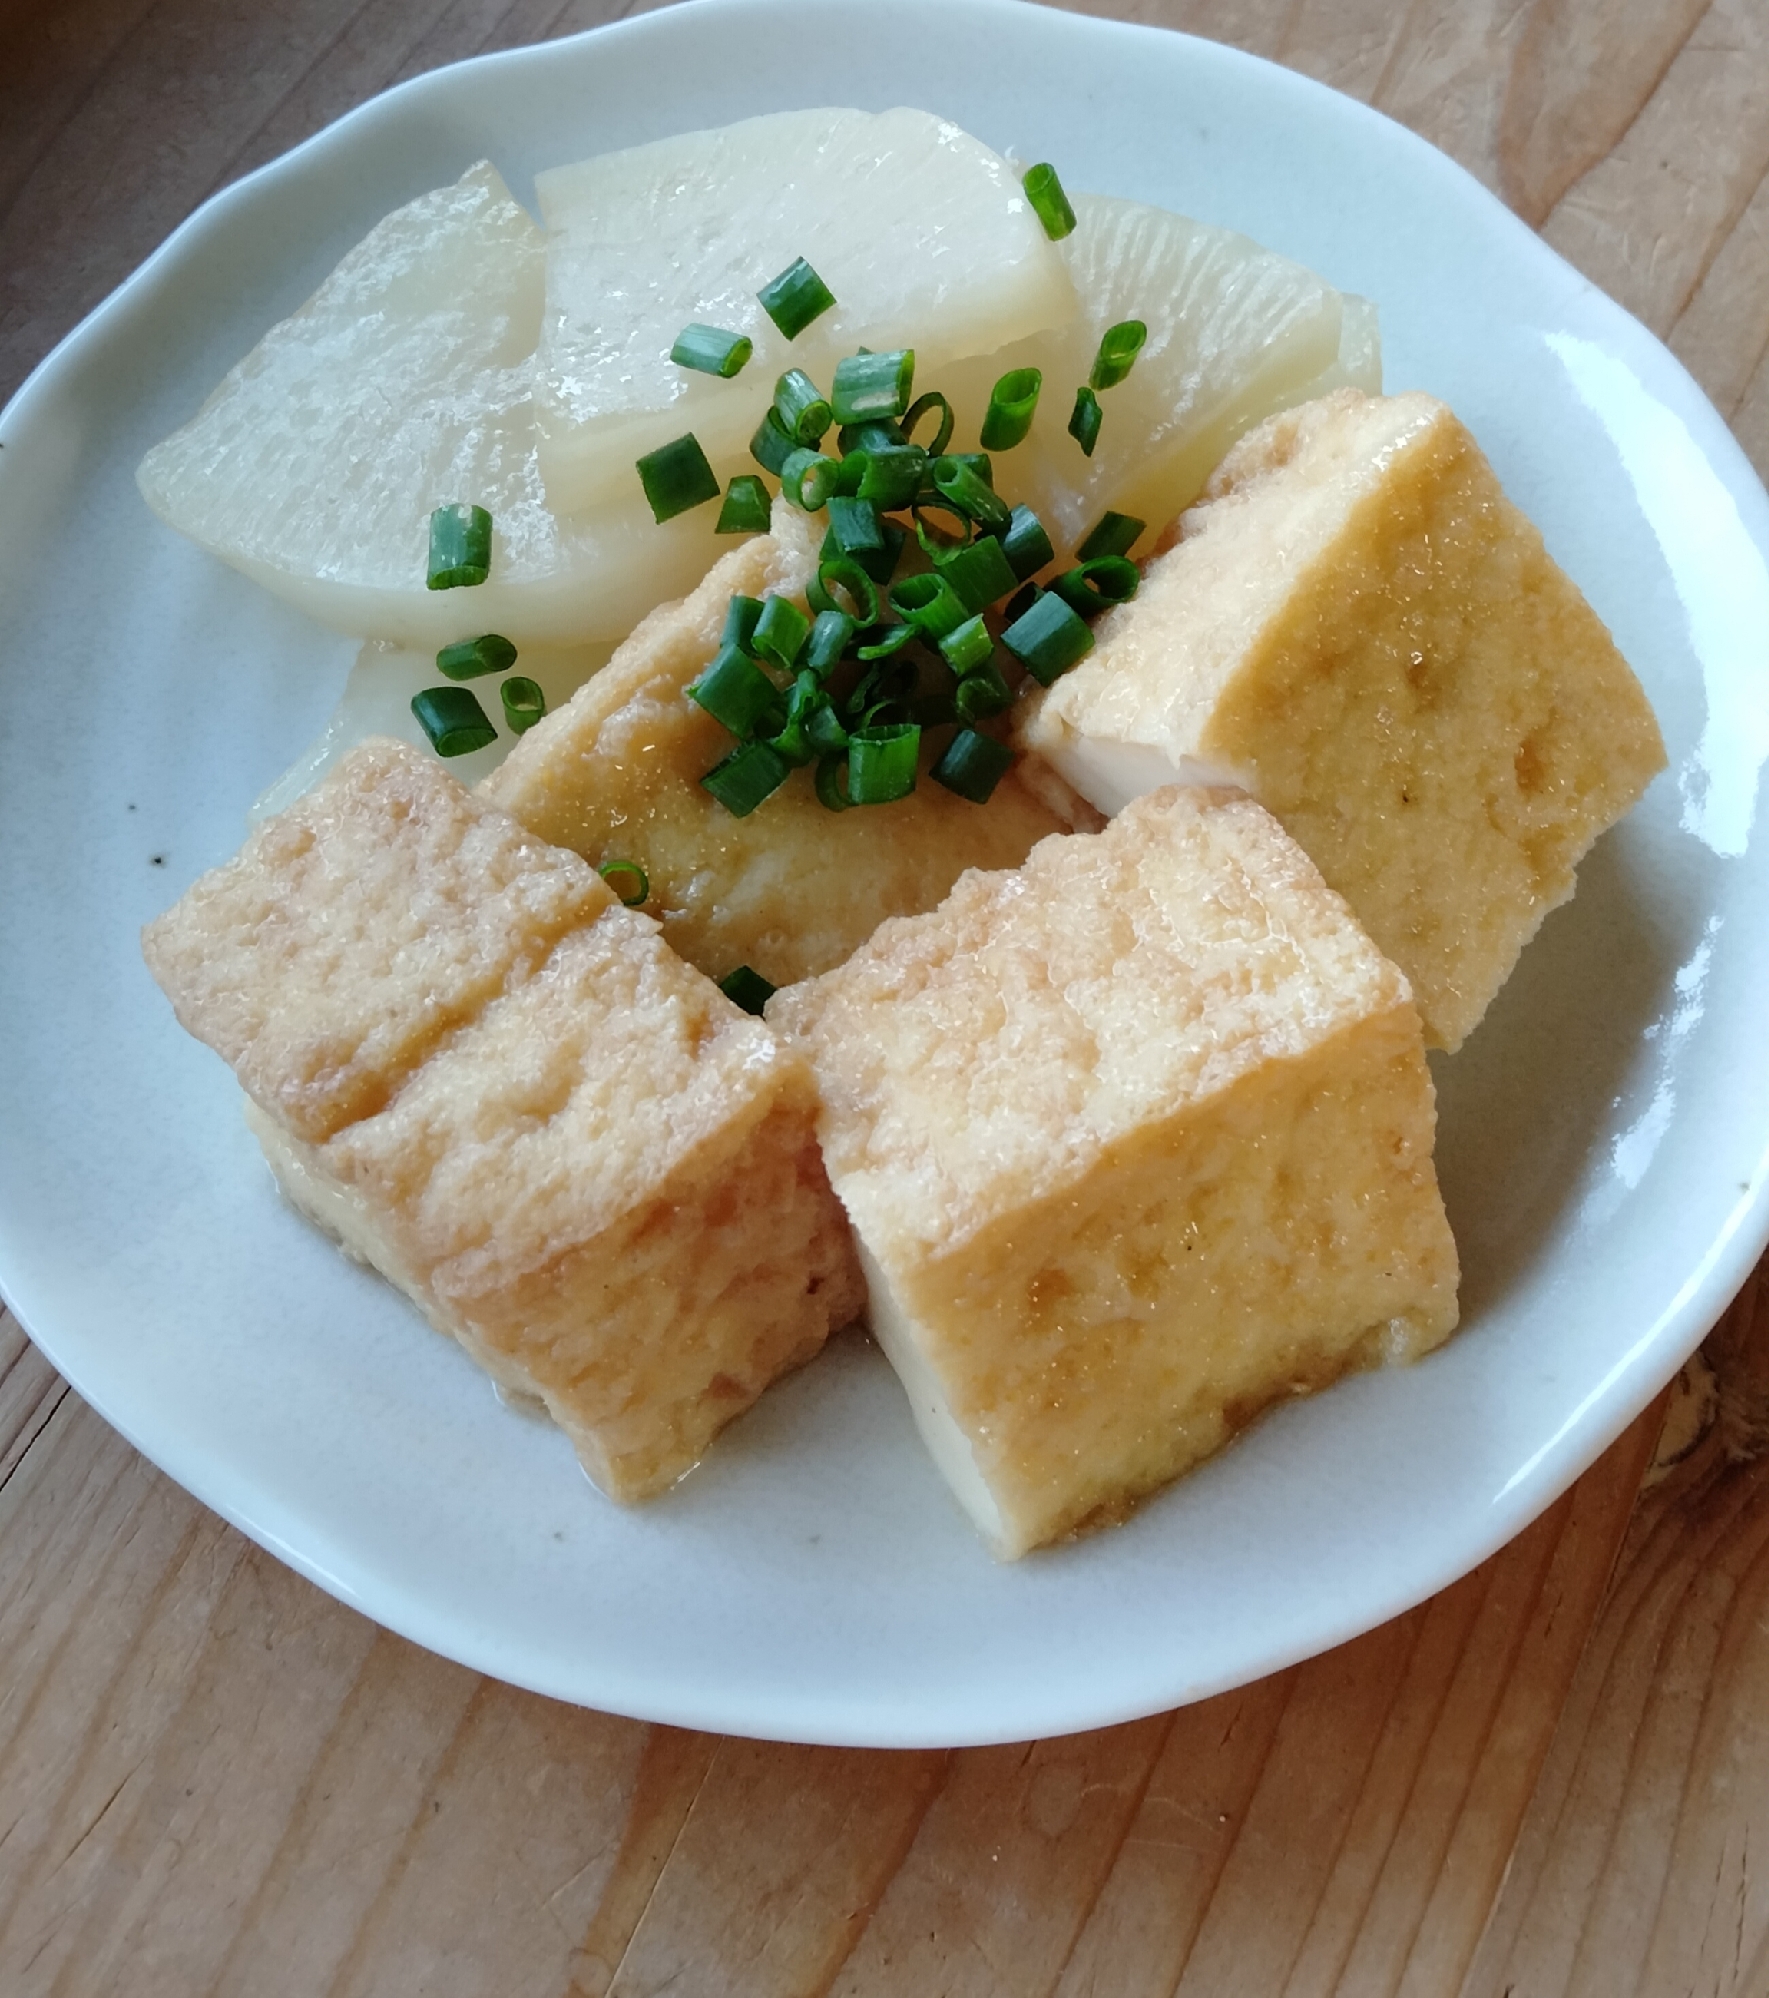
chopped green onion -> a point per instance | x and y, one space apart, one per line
711 350
1048 639
919 408
831 781
1011 403
796 297
1025 544
1049 203
676 477
807 700
968 646
1084 422
881 763
832 632
978 461
929 603
808 479
845 573
801 407
1111 534
1095 586
740 623
981 693
873 388
878 435
879 563
980 573
747 988
638 887
958 484
935 541
753 771
972 764
772 445
460 547
736 693
475 656
1118 348
855 527
825 733
746 508
780 632
453 720
1021 601
893 476
524 703
895 637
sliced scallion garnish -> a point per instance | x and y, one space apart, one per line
832 632
919 408
460 548
1049 203
957 482
1025 544
982 693
929 603
524 703
746 507
873 388
892 475
832 782
806 701
844 573
453 720
628 880
1091 587
473 657
710 350
801 407
736 692
854 526
1111 534
880 435
746 988
796 297
740 623
1084 422
1048 639
677 477
772 445
972 764
1118 348
1012 402
753 771
881 763
967 646
980 573
889 642
808 479
780 633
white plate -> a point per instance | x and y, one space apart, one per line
1603 1137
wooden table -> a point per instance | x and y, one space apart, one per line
1549 1780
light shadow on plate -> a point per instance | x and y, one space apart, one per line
1532 1094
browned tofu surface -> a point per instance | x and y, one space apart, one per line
602 1178
1136 1139
1358 627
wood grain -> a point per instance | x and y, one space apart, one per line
215 1780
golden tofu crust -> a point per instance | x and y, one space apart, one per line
581 1159
1360 627
357 930
791 889
1136 1140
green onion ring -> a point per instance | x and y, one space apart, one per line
919 408
610 868
831 781
1012 402
843 572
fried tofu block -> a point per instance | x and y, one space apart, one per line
1136 1140
580 1159
792 888
1359 628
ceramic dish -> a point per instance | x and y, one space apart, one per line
1603 1134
